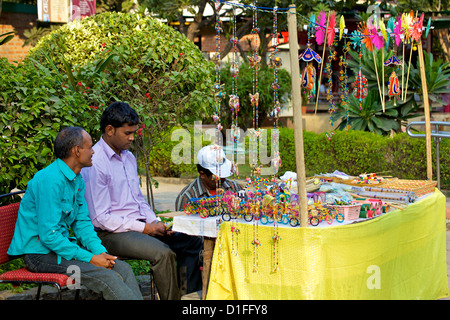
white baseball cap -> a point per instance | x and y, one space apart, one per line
213 158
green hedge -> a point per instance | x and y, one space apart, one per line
358 152
354 153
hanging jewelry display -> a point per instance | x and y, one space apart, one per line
235 231
276 247
254 62
361 86
277 160
275 63
234 98
256 244
344 84
329 71
219 95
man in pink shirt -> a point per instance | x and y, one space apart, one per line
124 221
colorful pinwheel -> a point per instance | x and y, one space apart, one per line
376 39
416 31
355 39
330 29
320 28
365 34
398 32
341 27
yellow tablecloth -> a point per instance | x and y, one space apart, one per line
399 255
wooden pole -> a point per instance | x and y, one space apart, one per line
298 125
426 106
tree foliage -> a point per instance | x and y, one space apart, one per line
76 71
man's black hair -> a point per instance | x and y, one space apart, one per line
117 114
206 171
66 139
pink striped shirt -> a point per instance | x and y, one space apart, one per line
113 195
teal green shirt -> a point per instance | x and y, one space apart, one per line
54 203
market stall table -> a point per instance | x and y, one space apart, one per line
399 255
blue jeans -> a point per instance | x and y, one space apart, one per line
118 283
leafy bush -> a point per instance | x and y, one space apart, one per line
358 152
76 71
35 105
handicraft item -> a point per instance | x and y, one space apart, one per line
309 72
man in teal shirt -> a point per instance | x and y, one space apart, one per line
52 205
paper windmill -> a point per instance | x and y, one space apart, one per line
355 38
330 30
416 31
377 40
341 27
398 32
320 28
365 34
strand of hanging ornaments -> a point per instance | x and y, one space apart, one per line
233 103
255 64
275 63
219 95
345 102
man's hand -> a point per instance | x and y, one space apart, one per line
156 228
103 260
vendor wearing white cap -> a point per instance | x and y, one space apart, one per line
212 164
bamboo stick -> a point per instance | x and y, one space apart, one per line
298 125
382 77
409 67
321 64
378 80
427 113
403 73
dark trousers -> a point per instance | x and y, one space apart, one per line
174 259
